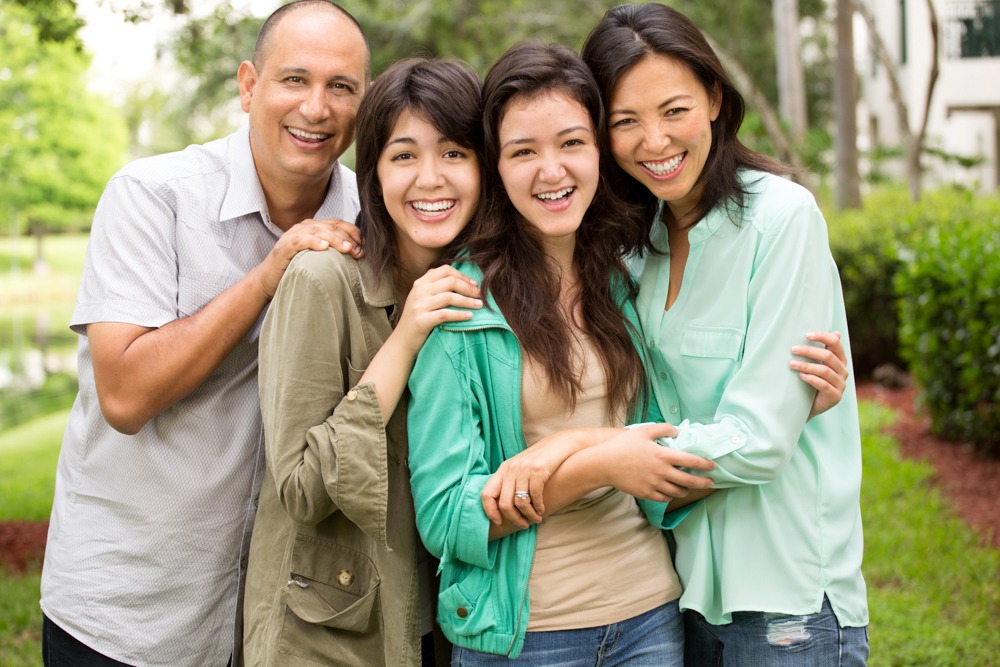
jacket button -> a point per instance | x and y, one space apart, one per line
352 394
462 612
345 578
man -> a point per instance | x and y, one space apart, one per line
161 461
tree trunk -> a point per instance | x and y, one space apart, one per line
848 188
41 267
791 79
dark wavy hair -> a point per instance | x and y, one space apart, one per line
627 34
516 271
446 94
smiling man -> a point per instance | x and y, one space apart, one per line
161 461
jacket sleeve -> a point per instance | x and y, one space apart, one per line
325 440
764 406
448 467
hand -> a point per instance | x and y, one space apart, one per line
433 299
529 471
641 467
308 234
827 371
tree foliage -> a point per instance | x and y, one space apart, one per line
58 143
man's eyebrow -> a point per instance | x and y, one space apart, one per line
302 71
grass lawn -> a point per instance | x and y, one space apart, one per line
28 455
22 288
934 594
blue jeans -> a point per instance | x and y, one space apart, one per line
758 639
653 639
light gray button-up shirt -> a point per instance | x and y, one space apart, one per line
148 534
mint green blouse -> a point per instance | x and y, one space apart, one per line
785 528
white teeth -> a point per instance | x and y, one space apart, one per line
662 168
433 207
302 134
552 196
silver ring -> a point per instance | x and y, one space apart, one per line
522 495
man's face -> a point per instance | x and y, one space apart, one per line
303 99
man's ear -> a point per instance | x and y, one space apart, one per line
247 76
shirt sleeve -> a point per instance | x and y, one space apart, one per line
448 467
325 440
764 406
130 272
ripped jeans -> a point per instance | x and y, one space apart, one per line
758 639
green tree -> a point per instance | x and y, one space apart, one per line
59 143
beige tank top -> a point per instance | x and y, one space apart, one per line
597 561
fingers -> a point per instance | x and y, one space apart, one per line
488 496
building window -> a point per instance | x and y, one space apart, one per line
972 29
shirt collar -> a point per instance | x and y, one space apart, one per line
245 196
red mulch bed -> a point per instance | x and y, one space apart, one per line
22 544
970 481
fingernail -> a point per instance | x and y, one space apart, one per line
796 349
345 244
323 243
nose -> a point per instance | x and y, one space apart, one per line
654 139
552 169
429 174
314 107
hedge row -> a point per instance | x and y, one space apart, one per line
922 287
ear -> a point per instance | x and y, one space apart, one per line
247 77
715 102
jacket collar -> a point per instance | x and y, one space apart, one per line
487 316
376 293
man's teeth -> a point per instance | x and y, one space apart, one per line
552 196
662 168
302 134
434 207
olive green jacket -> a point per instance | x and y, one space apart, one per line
332 577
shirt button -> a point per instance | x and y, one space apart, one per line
663 376
673 409
345 578
352 394
736 439
462 612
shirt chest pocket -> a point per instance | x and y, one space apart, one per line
196 288
711 355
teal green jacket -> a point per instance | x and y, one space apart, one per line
464 420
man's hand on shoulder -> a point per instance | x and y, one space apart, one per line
306 235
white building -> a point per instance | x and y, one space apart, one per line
964 118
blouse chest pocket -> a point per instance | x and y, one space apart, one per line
713 343
710 357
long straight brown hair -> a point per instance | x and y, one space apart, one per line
516 271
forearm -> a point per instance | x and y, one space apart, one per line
140 372
390 369
579 474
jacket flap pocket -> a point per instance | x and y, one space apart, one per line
331 585
718 342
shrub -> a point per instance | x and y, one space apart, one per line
949 300
864 243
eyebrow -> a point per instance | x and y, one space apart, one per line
410 141
302 71
528 140
665 103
